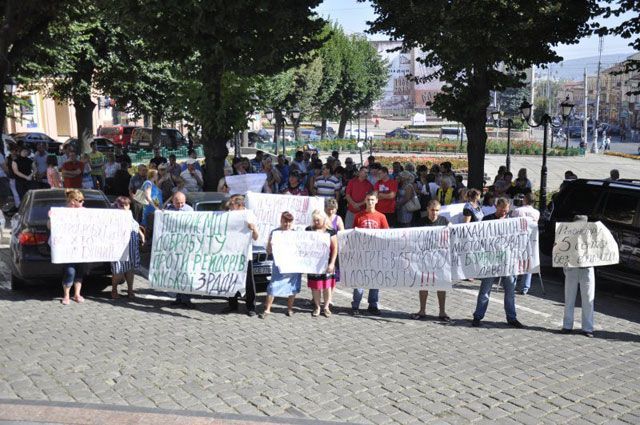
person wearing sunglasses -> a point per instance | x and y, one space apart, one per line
73 273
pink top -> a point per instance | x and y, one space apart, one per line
53 177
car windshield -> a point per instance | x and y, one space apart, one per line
209 206
39 211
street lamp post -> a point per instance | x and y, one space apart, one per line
295 116
360 146
269 114
283 122
525 110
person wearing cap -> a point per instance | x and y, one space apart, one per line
585 278
193 155
294 186
192 177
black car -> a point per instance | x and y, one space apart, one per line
30 250
262 262
103 144
31 140
616 204
401 133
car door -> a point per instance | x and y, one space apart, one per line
620 215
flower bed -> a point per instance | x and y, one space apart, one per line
623 155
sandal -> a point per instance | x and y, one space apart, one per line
289 313
79 299
418 316
444 318
65 301
326 312
114 294
130 294
264 314
315 313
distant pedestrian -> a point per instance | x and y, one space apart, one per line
53 176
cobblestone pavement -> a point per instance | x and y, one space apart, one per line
386 369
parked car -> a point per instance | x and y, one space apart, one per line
260 136
29 247
401 133
617 205
170 138
262 262
309 135
118 134
31 140
453 133
330 132
102 144
359 133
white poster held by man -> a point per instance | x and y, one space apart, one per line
88 235
416 258
301 252
494 248
243 183
200 252
268 207
453 213
583 244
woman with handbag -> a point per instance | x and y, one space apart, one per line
407 201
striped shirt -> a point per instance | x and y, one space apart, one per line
327 187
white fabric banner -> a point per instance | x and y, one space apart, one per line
415 258
582 244
268 207
243 183
200 252
494 248
301 252
452 212
88 235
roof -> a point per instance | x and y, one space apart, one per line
46 194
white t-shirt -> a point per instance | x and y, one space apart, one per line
526 211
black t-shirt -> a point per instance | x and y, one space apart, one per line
123 158
440 221
24 166
119 185
158 160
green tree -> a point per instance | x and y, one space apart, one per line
468 41
233 42
331 59
511 99
23 22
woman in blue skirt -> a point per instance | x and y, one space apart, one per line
123 270
282 284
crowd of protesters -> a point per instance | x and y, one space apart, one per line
368 196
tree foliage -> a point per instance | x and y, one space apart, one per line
477 46
629 29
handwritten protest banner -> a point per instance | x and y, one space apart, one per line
243 183
452 212
200 252
397 258
268 208
494 248
301 252
87 235
582 244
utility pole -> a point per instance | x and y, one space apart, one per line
584 121
597 113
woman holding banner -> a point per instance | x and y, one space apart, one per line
472 210
282 284
323 282
124 269
73 273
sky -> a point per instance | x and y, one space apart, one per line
353 17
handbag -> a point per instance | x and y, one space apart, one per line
413 204
140 198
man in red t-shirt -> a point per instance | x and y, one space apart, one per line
72 171
368 219
357 190
387 189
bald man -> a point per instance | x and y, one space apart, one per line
179 203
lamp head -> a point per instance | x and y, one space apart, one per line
269 114
567 108
10 86
495 115
295 113
525 110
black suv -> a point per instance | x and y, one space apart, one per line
617 205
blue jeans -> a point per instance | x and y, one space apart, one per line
72 273
525 281
372 298
509 283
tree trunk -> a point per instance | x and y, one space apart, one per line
214 134
84 120
344 119
323 129
476 142
155 131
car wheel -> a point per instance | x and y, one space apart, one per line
17 284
